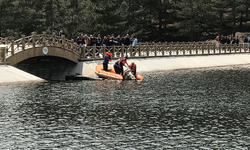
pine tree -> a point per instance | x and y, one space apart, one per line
6 18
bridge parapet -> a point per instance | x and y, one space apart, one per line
4 41
62 47
143 50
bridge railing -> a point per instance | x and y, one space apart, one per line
41 40
141 50
4 40
163 50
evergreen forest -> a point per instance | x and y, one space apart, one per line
148 20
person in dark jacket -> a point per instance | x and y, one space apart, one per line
111 40
123 40
127 40
237 40
105 41
118 66
93 41
106 60
98 40
80 40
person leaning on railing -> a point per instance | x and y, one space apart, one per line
134 41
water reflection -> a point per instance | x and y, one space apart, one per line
181 109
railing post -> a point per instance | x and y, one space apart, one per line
248 48
63 41
208 47
202 48
103 50
170 48
219 48
184 48
241 47
6 40
131 50
155 47
53 38
23 42
193 47
139 49
72 45
4 55
196 48
230 48
177 48
44 38
122 50
34 39
83 51
164 48
94 51
189 48
214 48
113 50
12 47
147 49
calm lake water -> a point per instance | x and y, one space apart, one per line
182 109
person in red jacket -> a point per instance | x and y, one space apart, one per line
132 66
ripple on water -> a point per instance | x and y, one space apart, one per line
181 109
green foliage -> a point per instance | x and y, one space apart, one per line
149 20
6 17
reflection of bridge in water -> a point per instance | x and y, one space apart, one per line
44 55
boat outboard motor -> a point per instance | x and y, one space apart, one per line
128 75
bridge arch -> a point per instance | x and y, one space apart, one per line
39 51
42 45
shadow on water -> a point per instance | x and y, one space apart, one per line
180 109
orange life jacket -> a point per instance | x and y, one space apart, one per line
132 67
110 54
122 60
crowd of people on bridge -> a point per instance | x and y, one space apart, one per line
246 39
108 40
230 39
227 39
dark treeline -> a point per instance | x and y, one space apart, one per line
149 20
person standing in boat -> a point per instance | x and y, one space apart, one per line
118 66
106 60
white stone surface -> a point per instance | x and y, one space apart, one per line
171 63
11 74
87 68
